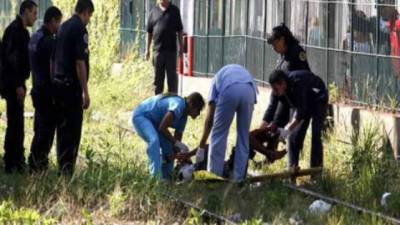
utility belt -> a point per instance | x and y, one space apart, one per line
66 91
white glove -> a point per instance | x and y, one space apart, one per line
182 147
283 133
200 155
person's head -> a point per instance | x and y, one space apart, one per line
279 82
28 12
85 9
281 38
52 19
195 104
164 2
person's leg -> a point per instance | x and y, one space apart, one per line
146 130
244 115
172 76
44 128
167 150
296 142
13 145
69 136
224 113
159 70
316 139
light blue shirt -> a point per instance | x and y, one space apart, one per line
155 108
228 75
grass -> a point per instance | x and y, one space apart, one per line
111 184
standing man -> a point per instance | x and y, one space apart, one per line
41 48
163 26
16 72
307 95
71 82
233 91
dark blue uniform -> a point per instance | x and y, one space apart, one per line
308 96
294 59
41 48
72 45
16 72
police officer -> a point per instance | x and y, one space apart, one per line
71 83
293 57
41 49
163 27
16 72
307 95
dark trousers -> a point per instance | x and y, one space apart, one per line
68 138
44 127
296 138
165 63
14 140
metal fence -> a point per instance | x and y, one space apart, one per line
350 43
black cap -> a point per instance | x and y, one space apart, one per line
277 32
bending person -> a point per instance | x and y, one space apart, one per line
152 119
233 91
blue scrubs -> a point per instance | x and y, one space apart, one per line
147 118
233 91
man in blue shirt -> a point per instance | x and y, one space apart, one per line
151 120
233 91
71 83
41 49
307 95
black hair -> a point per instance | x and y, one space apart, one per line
278 76
197 100
27 4
84 5
52 13
283 31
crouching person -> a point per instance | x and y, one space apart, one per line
152 120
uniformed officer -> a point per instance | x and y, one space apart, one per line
293 57
307 95
233 91
151 120
71 83
164 26
16 72
41 49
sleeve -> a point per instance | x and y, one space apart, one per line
213 95
271 109
298 60
150 23
176 106
21 63
81 44
179 25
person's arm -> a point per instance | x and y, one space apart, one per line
254 143
270 111
148 46
180 41
208 124
165 124
81 70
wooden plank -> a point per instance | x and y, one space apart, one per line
285 175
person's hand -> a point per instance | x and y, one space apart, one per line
283 133
21 94
182 157
264 125
85 100
200 155
273 127
182 147
147 55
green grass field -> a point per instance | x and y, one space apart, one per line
112 186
